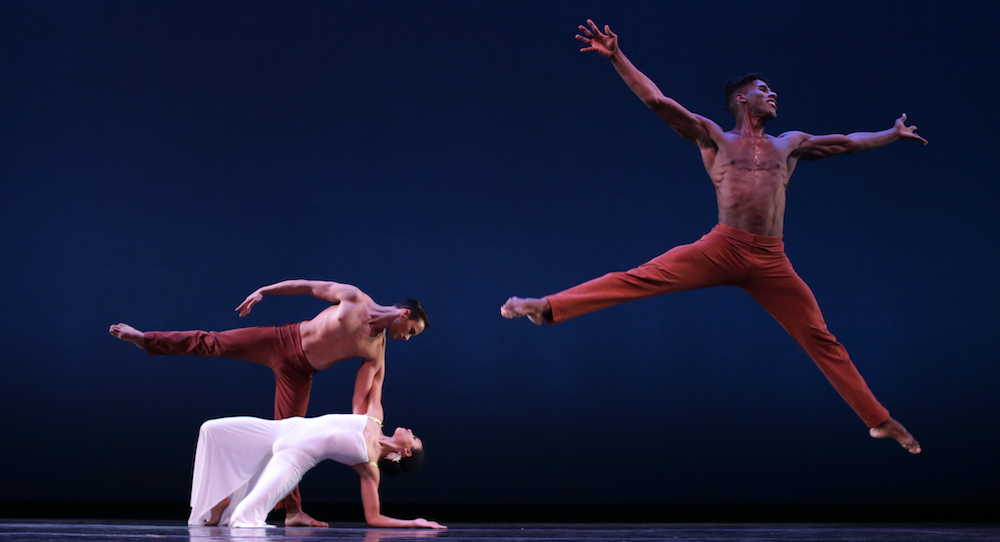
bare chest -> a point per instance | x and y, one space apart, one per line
337 334
753 155
746 165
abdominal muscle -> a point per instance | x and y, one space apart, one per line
751 192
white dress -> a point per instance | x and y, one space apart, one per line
257 462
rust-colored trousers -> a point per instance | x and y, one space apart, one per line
278 347
758 265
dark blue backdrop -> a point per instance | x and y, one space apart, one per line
160 160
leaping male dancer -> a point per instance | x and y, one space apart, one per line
750 170
354 327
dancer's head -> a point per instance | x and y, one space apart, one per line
753 92
409 457
411 321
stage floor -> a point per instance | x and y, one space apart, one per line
94 531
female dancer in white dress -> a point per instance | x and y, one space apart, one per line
243 466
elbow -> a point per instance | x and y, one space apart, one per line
660 103
653 102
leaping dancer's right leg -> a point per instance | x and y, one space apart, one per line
535 309
685 267
128 333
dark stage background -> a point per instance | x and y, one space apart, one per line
160 160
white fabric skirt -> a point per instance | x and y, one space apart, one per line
257 462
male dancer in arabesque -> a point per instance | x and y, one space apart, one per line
750 170
354 327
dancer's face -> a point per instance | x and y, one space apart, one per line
761 100
403 327
407 440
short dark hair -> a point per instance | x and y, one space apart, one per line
405 464
416 310
734 86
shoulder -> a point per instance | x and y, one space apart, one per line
353 293
795 136
708 135
709 125
367 471
794 141
374 352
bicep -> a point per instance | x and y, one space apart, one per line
692 127
812 147
334 291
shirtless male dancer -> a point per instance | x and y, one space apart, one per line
750 170
354 326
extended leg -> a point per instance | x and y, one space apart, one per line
792 304
706 262
128 333
256 344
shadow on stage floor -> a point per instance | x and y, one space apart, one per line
97 531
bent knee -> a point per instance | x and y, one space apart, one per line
211 426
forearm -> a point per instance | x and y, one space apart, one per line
642 86
865 141
288 287
388 522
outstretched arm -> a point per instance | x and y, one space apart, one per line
322 289
368 388
816 147
373 507
692 127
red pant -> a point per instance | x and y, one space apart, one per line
758 265
278 347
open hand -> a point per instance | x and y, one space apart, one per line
421 522
606 44
907 132
249 302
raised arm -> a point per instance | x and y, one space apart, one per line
322 289
694 128
368 388
815 147
373 507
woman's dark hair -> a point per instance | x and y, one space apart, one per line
405 464
417 311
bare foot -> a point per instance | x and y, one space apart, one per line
534 309
128 333
893 429
216 512
295 517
